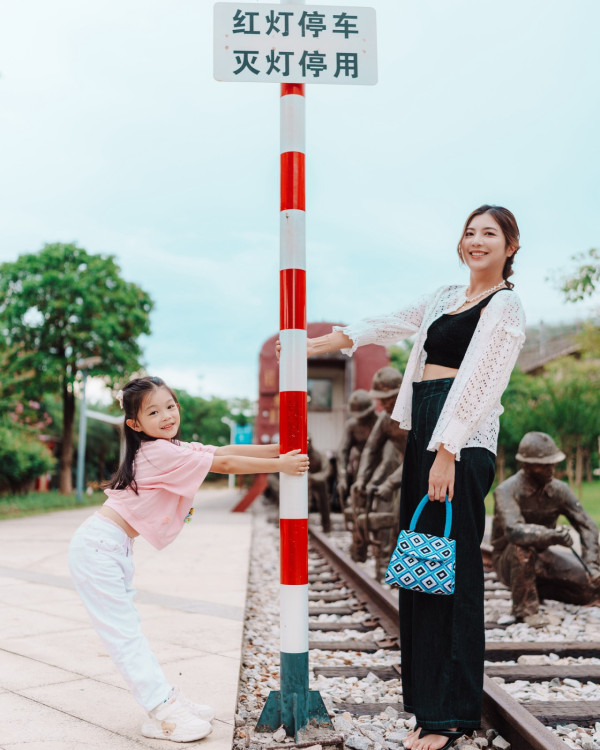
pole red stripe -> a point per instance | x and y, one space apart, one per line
294 551
292 421
292 181
292 88
292 300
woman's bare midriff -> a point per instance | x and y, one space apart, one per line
113 516
437 372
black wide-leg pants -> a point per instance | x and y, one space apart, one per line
442 637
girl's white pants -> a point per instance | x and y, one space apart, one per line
101 563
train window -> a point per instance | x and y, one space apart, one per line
320 394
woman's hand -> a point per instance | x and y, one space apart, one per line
309 348
294 463
441 476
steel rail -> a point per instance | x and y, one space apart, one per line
500 710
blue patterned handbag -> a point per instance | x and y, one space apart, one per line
423 562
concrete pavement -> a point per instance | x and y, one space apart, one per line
59 689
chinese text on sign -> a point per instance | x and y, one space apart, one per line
295 43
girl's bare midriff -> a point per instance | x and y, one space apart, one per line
437 372
113 516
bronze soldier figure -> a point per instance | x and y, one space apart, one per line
375 494
356 432
525 536
319 474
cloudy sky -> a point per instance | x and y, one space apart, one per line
114 134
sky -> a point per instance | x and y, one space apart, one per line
114 134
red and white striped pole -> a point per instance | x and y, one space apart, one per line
294 705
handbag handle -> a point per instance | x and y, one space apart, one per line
422 504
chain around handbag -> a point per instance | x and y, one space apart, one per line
423 562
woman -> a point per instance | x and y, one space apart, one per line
467 342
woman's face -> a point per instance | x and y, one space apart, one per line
484 247
158 416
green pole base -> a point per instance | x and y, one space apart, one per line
294 713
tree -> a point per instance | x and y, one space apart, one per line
62 305
585 279
201 419
399 354
570 409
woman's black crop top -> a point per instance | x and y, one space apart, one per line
449 336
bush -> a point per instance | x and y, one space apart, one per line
23 458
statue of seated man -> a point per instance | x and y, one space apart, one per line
356 432
379 477
319 475
530 553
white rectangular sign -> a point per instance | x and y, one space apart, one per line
279 43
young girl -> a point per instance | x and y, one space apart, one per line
151 495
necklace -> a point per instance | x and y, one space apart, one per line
468 300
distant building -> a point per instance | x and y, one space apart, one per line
331 380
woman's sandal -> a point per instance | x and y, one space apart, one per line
452 735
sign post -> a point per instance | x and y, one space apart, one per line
293 44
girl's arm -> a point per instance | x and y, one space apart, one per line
293 463
255 451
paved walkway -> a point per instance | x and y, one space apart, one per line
58 687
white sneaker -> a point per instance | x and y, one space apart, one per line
201 710
173 721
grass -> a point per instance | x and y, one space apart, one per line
34 503
590 499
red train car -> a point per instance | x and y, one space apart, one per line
331 380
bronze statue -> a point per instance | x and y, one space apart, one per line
530 554
356 432
375 494
319 475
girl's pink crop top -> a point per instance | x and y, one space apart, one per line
167 476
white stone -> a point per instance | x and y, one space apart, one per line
358 742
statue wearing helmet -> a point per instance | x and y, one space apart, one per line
375 495
356 432
530 554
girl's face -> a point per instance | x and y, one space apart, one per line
158 416
484 246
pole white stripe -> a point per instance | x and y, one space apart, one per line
292 239
292 364
294 618
292 130
293 496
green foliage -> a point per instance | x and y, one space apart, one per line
589 338
34 503
62 305
399 355
563 402
201 419
102 450
583 282
23 457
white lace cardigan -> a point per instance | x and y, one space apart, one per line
470 415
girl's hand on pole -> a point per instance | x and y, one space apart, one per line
278 349
294 463
441 476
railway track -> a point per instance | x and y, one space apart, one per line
334 579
